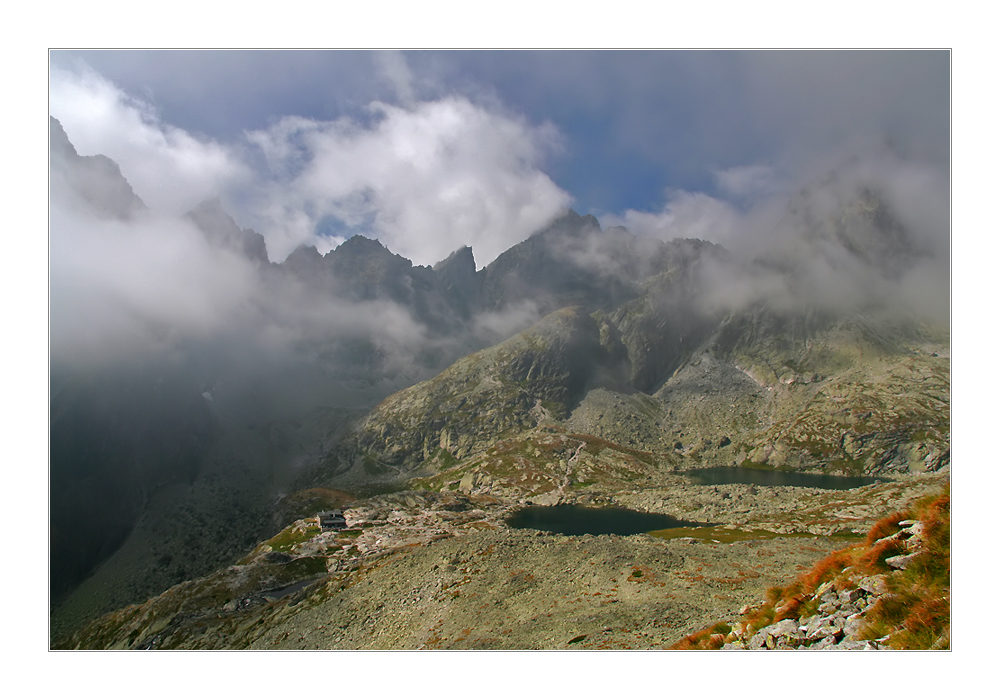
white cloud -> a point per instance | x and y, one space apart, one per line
685 215
171 170
824 241
394 70
124 290
747 181
424 180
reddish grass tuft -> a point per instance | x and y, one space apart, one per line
828 568
789 610
713 637
934 613
874 558
915 614
889 525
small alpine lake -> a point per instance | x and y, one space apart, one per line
578 520
712 476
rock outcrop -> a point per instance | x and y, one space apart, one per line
95 182
893 592
222 231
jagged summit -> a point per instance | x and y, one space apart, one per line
843 240
460 280
570 223
60 146
95 182
361 245
222 231
461 259
304 261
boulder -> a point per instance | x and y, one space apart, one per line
853 625
825 627
852 596
781 634
901 561
874 585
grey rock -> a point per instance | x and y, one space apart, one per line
784 628
813 626
826 627
757 641
829 607
873 584
853 625
826 593
778 635
857 646
852 596
901 561
806 622
824 643
916 531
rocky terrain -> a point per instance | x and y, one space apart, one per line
583 366
892 592
878 404
422 569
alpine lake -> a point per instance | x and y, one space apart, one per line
573 520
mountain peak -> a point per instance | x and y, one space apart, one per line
97 180
59 143
222 230
460 259
303 260
358 244
570 223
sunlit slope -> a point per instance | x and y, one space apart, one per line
855 395
840 395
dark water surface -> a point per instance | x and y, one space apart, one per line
577 520
774 477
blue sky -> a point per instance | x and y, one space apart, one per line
497 140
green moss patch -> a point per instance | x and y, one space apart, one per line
288 538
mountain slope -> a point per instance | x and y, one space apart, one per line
581 366
537 375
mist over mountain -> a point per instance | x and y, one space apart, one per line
190 369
